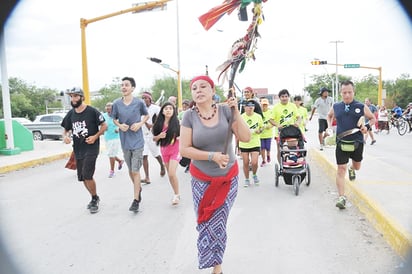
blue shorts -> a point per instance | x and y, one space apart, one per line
265 143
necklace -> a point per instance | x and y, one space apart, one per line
207 118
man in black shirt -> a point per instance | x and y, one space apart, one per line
84 124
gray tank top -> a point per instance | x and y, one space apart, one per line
210 139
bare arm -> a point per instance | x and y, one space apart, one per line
240 128
369 115
330 117
93 138
66 136
312 112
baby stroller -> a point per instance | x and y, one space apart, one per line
293 166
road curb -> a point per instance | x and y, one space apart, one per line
398 238
36 162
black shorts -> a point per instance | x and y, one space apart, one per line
247 150
368 127
323 125
342 157
86 167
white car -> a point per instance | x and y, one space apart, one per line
47 126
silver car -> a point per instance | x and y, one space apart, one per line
47 126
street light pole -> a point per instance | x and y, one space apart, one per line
336 72
148 6
179 84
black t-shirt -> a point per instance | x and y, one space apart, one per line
82 125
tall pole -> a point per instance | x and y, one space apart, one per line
336 71
8 128
179 81
148 6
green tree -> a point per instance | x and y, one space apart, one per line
108 93
28 100
397 91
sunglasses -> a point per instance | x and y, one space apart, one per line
347 108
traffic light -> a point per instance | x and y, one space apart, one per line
318 62
153 59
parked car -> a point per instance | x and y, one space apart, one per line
21 120
47 126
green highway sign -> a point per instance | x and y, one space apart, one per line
351 65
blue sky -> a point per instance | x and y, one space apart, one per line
42 40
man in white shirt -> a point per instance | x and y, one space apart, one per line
149 144
323 105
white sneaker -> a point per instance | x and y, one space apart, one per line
176 199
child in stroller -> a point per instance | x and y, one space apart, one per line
293 166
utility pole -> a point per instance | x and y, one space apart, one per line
336 96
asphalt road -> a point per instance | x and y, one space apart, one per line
47 228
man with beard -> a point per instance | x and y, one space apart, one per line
84 124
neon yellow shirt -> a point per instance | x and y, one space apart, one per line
267 126
255 123
303 114
285 115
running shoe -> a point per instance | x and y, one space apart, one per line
111 174
341 203
373 142
352 174
94 204
176 199
263 164
255 179
268 159
120 164
90 203
247 183
135 206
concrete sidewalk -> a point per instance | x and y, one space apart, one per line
384 199
383 187
43 152
382 190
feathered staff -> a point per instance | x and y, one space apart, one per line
243 48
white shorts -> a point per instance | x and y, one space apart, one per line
150 146
113 147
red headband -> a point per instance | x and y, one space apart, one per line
202 77
148 94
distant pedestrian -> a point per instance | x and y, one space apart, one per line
130 114
203 135
84 124
172 99
349 114
368 125
383 119
266 135
322 104
150 145
186 104
112 139
302 111
166 132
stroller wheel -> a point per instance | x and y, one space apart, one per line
277 175
307 178
296 184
